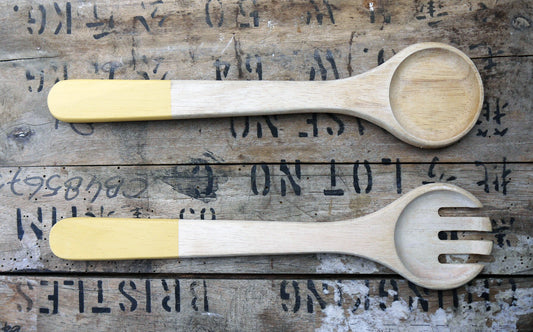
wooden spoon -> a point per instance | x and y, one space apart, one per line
402 236
428 95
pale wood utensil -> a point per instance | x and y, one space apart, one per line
428 95
402 236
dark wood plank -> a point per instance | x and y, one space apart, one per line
160 303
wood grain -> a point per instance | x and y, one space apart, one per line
319 167
227 192
130 52
162 303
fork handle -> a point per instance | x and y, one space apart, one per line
85 238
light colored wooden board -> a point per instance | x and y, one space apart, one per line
186 47
228 192
163 303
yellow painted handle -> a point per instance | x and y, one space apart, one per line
110 100
86 238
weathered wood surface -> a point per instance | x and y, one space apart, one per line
124 303
289 43
299 167
35 198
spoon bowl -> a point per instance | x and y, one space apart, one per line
436 95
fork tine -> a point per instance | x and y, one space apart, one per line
480 224
479 247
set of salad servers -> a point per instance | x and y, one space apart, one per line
428 95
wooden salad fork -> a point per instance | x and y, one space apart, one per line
403 236
428 95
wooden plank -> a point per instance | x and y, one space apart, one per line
285 46
163 303
34 198
30 131
502 25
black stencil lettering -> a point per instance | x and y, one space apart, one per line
398 176
285 169
505 173
54 298
318 13
321 302
219 72
194 296
253 14
142 20
81 297
440 297
367 299
486 294
381 57
206 302
182 212
38 232
166 299
286 296
283 294
333 182
208 13
133 301
513 289
211 210
339 123
148 288
31 20
314 122
360 127
100 310
382 293
331 60
356 185
69 18
323 70
253 177
27 298
20 229
356 305
258 66
423 302
485 181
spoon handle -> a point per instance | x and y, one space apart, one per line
138 100
85 238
